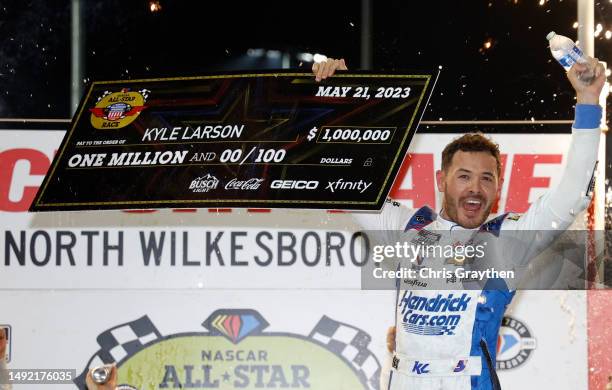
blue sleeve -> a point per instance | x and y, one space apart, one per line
588 116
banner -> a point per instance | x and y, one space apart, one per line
69 278
254 338
276 140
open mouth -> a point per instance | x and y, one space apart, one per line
472 206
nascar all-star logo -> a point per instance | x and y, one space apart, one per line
115 110
235 353
514 344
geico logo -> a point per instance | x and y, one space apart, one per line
295 184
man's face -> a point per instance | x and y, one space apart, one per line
470 185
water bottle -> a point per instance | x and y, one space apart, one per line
567 54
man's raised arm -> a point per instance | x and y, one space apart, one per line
557 209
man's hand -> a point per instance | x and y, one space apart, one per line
109 385
3 342
391 339
325 69
587 94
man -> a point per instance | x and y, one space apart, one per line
4 385
446 331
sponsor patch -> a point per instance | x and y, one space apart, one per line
432 316
515 344
425 237
420 368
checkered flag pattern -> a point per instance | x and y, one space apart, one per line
120 342
145 93
352 344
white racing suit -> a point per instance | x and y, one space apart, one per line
447 333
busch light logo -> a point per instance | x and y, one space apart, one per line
429 324
204 183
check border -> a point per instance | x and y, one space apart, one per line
384 188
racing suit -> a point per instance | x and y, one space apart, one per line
446 333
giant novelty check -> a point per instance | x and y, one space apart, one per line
261 140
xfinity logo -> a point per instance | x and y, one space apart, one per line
340 184
420 368
295 184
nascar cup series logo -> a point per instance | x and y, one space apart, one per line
236 353
115 110
514 344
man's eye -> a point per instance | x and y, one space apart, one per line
487 178
464 177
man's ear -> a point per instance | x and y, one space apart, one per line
440 180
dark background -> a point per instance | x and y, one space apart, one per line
514 79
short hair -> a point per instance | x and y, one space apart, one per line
471 142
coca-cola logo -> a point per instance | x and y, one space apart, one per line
250 185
